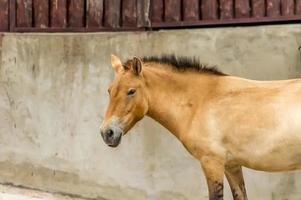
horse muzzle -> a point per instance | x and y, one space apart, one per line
112 136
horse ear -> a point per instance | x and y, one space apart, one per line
137 65
116 63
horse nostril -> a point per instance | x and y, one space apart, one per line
110 133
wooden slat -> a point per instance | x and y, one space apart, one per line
157 11
209 9
242 8
287 7
94 13
226 9
4 15
258 8
298 7
112 13
58 13
273 8
172 10
191 10
143 13
129 13
12 15
76 13
41 13
24 13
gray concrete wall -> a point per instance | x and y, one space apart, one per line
53 94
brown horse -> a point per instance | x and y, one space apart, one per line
224 121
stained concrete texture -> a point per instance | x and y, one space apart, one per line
53 94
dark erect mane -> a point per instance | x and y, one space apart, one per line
183 64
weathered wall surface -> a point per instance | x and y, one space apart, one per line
53 94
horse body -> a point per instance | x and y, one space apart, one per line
224 121
257 123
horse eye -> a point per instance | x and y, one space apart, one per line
131 92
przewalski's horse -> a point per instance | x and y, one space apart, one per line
225 122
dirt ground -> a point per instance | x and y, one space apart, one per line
15 193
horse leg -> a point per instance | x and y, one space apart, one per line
236 182
214 172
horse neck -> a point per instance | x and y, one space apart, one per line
174 97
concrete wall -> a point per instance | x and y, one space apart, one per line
53 94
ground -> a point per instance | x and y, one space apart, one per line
8 192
